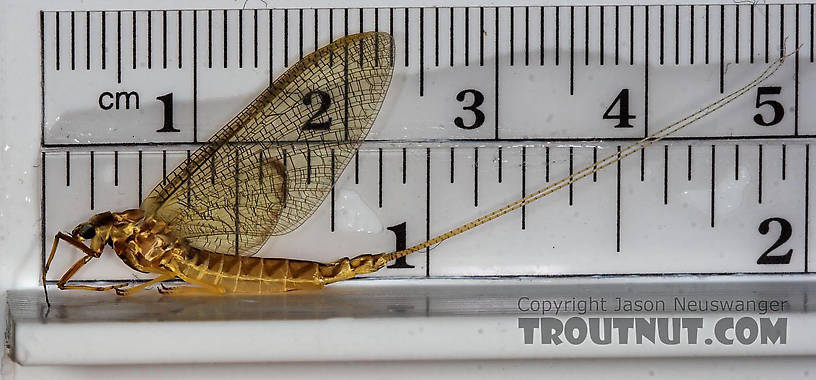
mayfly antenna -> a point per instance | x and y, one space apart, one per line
595 167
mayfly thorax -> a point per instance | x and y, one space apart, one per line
266 172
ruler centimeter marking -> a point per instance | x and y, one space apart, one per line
182 144
618 203
409 18
645 72
498 38
712 163
427 210
807 203
713 181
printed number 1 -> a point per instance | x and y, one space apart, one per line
167 101
399 233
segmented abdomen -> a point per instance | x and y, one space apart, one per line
239 274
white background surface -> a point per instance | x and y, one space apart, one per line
19 245
579 369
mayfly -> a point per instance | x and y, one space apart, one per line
266 172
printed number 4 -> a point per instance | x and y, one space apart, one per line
623 116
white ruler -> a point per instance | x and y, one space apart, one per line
487 104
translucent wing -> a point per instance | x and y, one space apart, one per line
269 168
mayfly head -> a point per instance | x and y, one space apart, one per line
96 231
103 228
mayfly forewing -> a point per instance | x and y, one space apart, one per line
267 170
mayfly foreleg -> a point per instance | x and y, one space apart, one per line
63 281
70 240
134 289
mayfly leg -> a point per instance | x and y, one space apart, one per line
185 289
129 291
63 281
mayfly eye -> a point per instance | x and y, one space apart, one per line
87 231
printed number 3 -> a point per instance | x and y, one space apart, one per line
478 99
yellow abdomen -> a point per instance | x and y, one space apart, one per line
257 275
238 274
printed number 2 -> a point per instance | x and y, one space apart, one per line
478 99
778 110
623 117
764 227
325 101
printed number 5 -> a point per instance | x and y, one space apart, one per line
778 110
